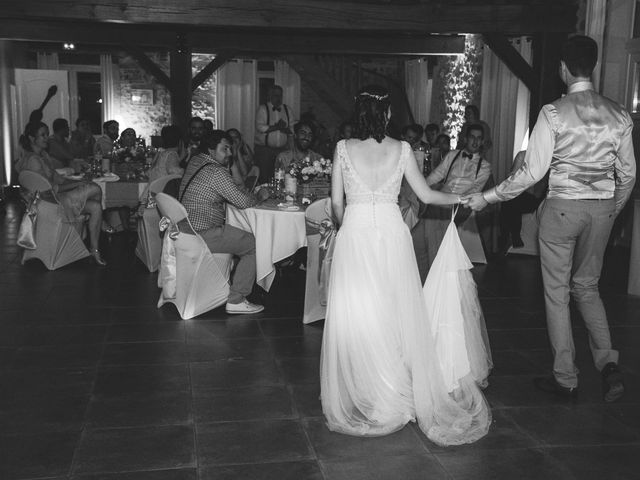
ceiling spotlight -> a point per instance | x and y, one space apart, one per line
69 46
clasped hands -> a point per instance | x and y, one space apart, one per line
474 201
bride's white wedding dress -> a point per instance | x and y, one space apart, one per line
379 366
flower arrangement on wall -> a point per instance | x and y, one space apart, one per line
460 77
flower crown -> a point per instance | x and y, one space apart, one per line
373 95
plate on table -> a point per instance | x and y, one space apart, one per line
107 177
66 171
288 207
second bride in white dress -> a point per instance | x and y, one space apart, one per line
379 367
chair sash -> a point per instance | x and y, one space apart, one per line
167 276
327 231
27 232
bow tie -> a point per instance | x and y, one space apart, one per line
276 109
467 155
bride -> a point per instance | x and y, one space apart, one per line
379 368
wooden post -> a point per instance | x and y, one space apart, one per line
180 58
546 61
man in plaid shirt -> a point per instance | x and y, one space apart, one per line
205 189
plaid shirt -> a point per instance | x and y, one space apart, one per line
209 192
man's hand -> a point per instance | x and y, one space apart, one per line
263 194
475 201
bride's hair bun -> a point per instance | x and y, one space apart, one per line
371 112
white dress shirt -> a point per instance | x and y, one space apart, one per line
464 177
267 116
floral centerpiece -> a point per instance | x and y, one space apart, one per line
306 170
136 152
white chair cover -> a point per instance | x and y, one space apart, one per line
529 235
471 241
191 277
315 293
57 241
149 247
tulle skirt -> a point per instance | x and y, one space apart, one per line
379 367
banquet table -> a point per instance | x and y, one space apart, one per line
123 193
279 234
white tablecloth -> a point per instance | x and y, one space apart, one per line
121 194
279 234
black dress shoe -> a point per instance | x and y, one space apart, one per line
612 382
551 385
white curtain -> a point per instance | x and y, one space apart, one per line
289 80
594 28
505 107
236 97
109 87
47 61
418 89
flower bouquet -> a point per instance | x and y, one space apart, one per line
306 170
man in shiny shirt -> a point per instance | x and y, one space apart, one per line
584 139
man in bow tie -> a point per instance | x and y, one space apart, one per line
461 171
273 129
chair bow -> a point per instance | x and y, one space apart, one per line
167 275
167 224
327 231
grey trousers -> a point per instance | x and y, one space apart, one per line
228 239
573 237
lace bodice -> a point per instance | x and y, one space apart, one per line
355 188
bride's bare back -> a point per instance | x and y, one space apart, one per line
375 162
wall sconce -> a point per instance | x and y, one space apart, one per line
69 46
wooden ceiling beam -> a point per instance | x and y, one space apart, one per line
207 41
500 45
211 67
150 66
425 17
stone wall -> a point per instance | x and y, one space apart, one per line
146 119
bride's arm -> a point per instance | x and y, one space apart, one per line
419 185
337 189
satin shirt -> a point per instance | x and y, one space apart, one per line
584 140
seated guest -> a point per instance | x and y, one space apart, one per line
241 158
303 135
412 134
345 131
440 149
512 210
431 132
59 149
461 172
195 134
82 141
76 197
167 160
105 144
208 126
205 190
128 138
472 117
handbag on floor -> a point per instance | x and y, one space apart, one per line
27 230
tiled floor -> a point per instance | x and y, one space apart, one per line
97 383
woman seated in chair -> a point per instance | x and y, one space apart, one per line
241 164
167 161
76 197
